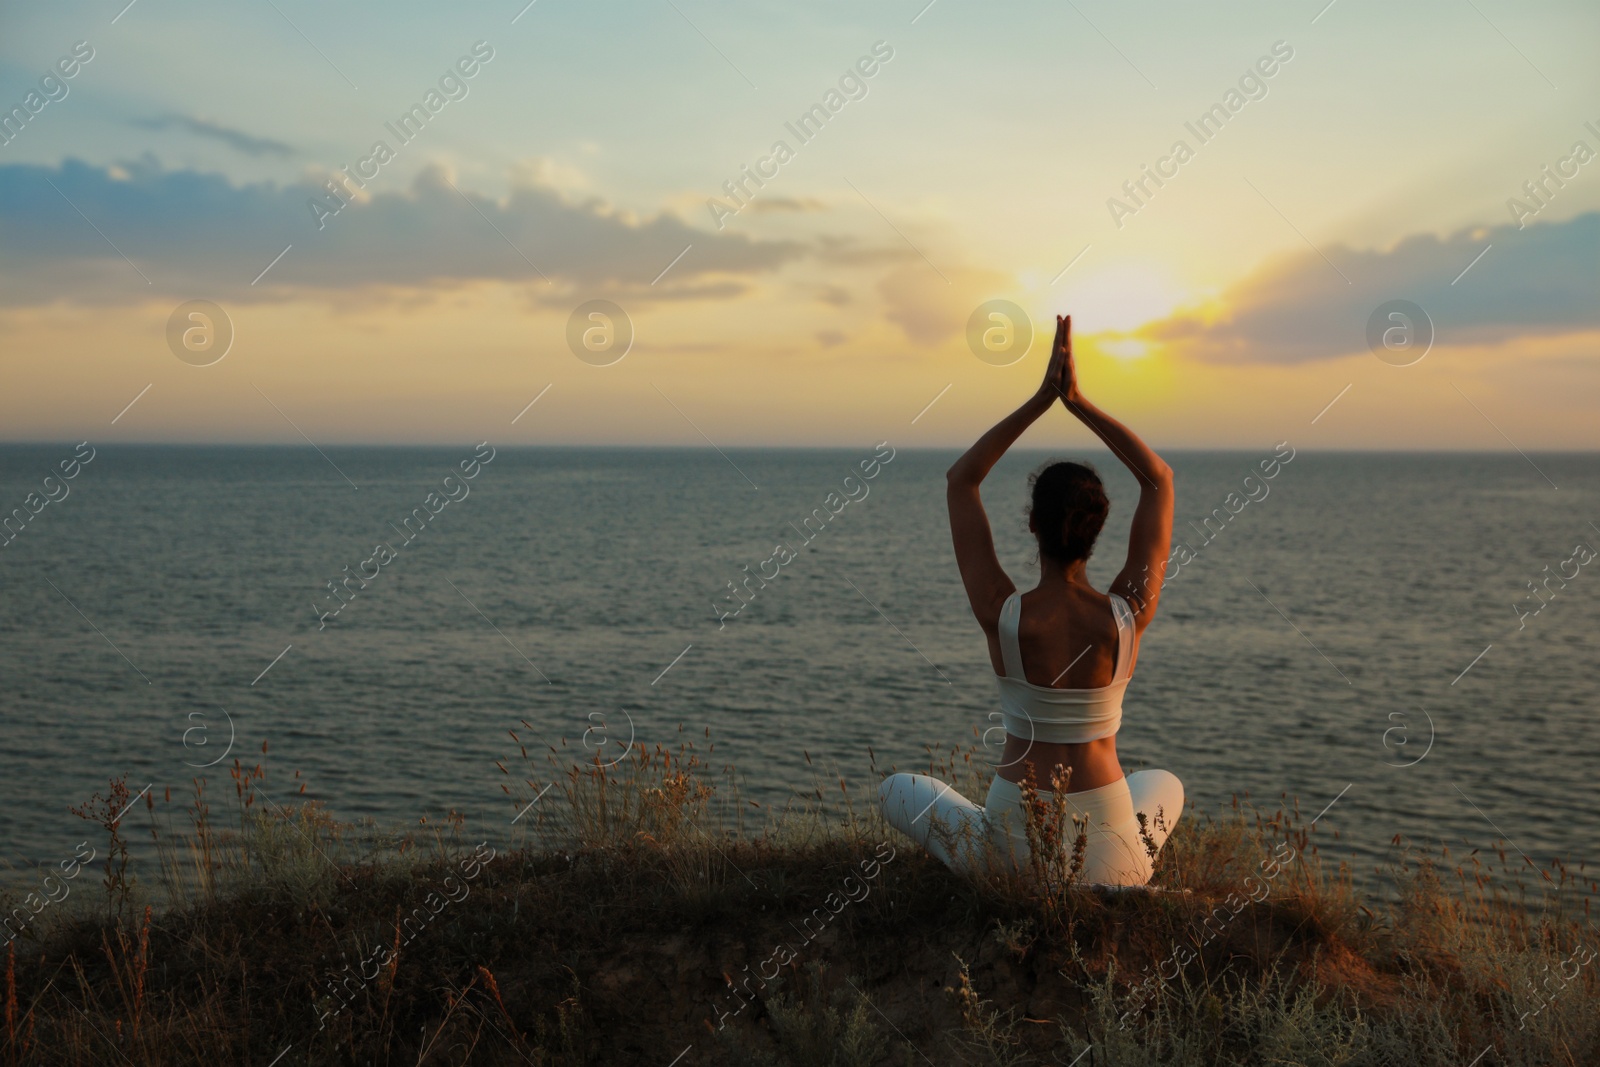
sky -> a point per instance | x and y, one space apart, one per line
1321 162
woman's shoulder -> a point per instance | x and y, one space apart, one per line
1048 610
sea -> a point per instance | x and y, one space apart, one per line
1402 645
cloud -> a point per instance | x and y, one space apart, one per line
1533 281
762 206
930 309
832 295
193 234
200 127
852 252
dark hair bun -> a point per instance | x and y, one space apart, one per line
1069 509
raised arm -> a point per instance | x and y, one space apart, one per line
1150 538
986 582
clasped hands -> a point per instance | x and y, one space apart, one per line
1061 373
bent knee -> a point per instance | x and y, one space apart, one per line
1157 789
1155 781
896 791
891 785
1164 782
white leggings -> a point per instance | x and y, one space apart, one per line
956 830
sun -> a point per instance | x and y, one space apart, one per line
1113 298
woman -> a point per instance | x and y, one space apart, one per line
1062 654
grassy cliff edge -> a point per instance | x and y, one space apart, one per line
642 920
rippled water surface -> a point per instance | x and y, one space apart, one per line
1346 603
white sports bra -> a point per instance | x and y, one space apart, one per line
1062 716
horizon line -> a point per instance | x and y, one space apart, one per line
530 446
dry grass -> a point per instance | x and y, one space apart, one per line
650 911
